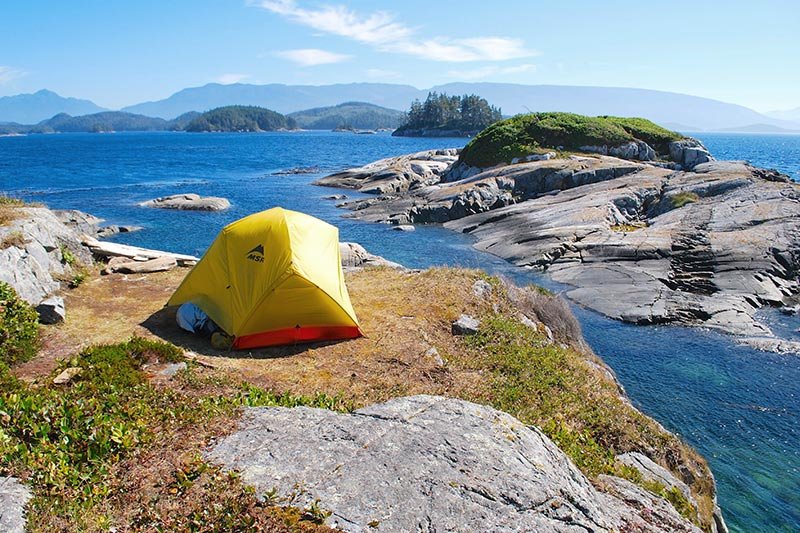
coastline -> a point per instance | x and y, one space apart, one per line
667 369
700 282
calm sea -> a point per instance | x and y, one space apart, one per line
739 407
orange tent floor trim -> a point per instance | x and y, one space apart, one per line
296 335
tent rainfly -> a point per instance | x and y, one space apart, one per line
273 278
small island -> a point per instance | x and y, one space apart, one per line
448 116
240 118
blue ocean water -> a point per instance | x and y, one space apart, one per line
740 408
778 151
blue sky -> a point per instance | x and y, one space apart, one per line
118 53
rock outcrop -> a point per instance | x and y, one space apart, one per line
38 251
688 153
428 463
191 201
354 256
86 224
395 174
637 241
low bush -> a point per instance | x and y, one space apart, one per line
19 327
549 309
66 441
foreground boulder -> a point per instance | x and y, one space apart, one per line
428 463
189 201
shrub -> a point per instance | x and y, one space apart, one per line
549 309
19 327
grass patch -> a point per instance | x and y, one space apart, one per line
9 209
525 134
683 198
19 327
13 238
68 444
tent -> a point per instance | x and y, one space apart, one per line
272 278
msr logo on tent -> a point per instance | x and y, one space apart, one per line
256 254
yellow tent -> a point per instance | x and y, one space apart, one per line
274 277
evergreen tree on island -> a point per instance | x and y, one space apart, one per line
443 115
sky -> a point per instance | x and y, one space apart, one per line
119 53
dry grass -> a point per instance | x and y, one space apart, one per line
564 389
9 209
13 238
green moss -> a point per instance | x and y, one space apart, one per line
683 198
525 134
19 327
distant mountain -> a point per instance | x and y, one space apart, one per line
358 115
658 106
238 118
788 114
281 98
33 108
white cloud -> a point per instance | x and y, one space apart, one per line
338 20
8 74
490 70
228 79
381 30
308 57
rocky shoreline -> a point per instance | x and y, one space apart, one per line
688 240
612 504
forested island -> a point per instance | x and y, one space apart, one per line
448 116
239 118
